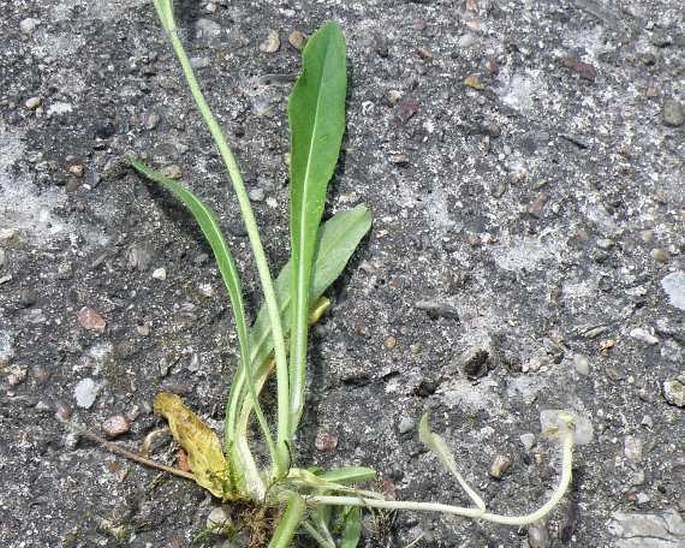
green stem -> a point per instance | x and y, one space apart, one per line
281 458
290 522
473 513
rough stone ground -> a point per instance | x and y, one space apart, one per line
525 164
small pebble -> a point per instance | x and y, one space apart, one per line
271 44
473 362
17 374
581 363
218 519
632 448
399 159
582 69
159 273
85 393
473 82
116 426
647 422
537 363
257 194
499 466
606 345
194 363
207 31
7 234
642 498
538 536
143 330
424 53
674 286
672 113
660 255
77 170
638 478
297 40
643 335
393 96
652 91
33 103
406 424
3 258
28 25
535 207
390 342
89 319
492 66
437 309
527 440
173 171
606 243
325 441
674 391
152 121
63 412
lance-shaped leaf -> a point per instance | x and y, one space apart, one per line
205 455
246 471
338 238
316 112
352 527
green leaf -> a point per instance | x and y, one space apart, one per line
229 273
349 474
438 446
352 528
338 238
316 112
289 523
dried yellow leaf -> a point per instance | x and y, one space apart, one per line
205 455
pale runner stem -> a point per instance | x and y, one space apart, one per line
474 513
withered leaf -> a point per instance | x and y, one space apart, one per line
205 455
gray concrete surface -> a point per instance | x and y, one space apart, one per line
524 161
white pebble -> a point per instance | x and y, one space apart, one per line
159 273
28 25
581 364
643 335
85 393
674 286
632 448
32 103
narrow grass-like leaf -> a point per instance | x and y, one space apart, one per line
229 273
438 446
349 474
281 456
290 522
338 238
316 112
308 479
352 528
318 530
